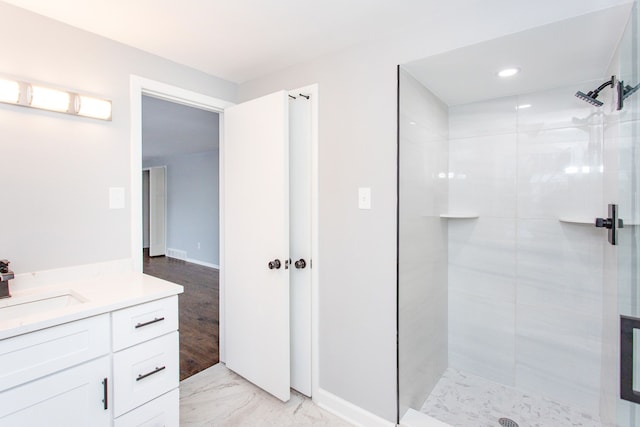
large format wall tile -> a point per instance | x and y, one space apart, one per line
482 173
482 336
558 354
482 267
556 108
559 311
484 244
560 266
560 173
422 251
628 163
491 117
423 187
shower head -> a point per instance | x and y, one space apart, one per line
589 97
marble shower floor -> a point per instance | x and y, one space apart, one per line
217 397
464 400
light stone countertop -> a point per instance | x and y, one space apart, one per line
100 294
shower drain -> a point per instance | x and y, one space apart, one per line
506 422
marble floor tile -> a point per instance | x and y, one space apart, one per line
217 397
464 400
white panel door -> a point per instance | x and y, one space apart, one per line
157 211
256 212
300 241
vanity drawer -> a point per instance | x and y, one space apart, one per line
163 411
26 357
143 322
144 372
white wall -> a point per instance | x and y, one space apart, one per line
57 169
192 204
422 250
357 145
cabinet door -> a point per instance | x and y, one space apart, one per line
71 398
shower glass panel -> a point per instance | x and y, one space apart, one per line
508 296
624 299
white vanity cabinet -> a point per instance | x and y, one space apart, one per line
118 368
57 376
146 365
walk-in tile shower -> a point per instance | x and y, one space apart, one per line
509 296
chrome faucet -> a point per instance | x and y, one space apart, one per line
5 276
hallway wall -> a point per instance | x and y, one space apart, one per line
193 205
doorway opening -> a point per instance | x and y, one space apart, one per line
141 86
180 219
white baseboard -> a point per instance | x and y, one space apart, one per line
203 263
348 411
176 254
182 255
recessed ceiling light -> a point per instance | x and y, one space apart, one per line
523 106
412 123
508 72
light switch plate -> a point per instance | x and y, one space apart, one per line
364 197
116 198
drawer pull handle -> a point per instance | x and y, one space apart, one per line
150 322
104 393
148 374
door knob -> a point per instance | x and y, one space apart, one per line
274 264
301 263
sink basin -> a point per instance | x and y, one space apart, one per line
28 305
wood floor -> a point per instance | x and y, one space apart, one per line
199 304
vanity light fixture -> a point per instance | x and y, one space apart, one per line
508 72
9 91
93 107
45 98
49 99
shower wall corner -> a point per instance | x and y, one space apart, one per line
423 251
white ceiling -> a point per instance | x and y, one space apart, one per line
239 40
554 55
170 129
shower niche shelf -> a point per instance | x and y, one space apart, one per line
585 221
459 215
